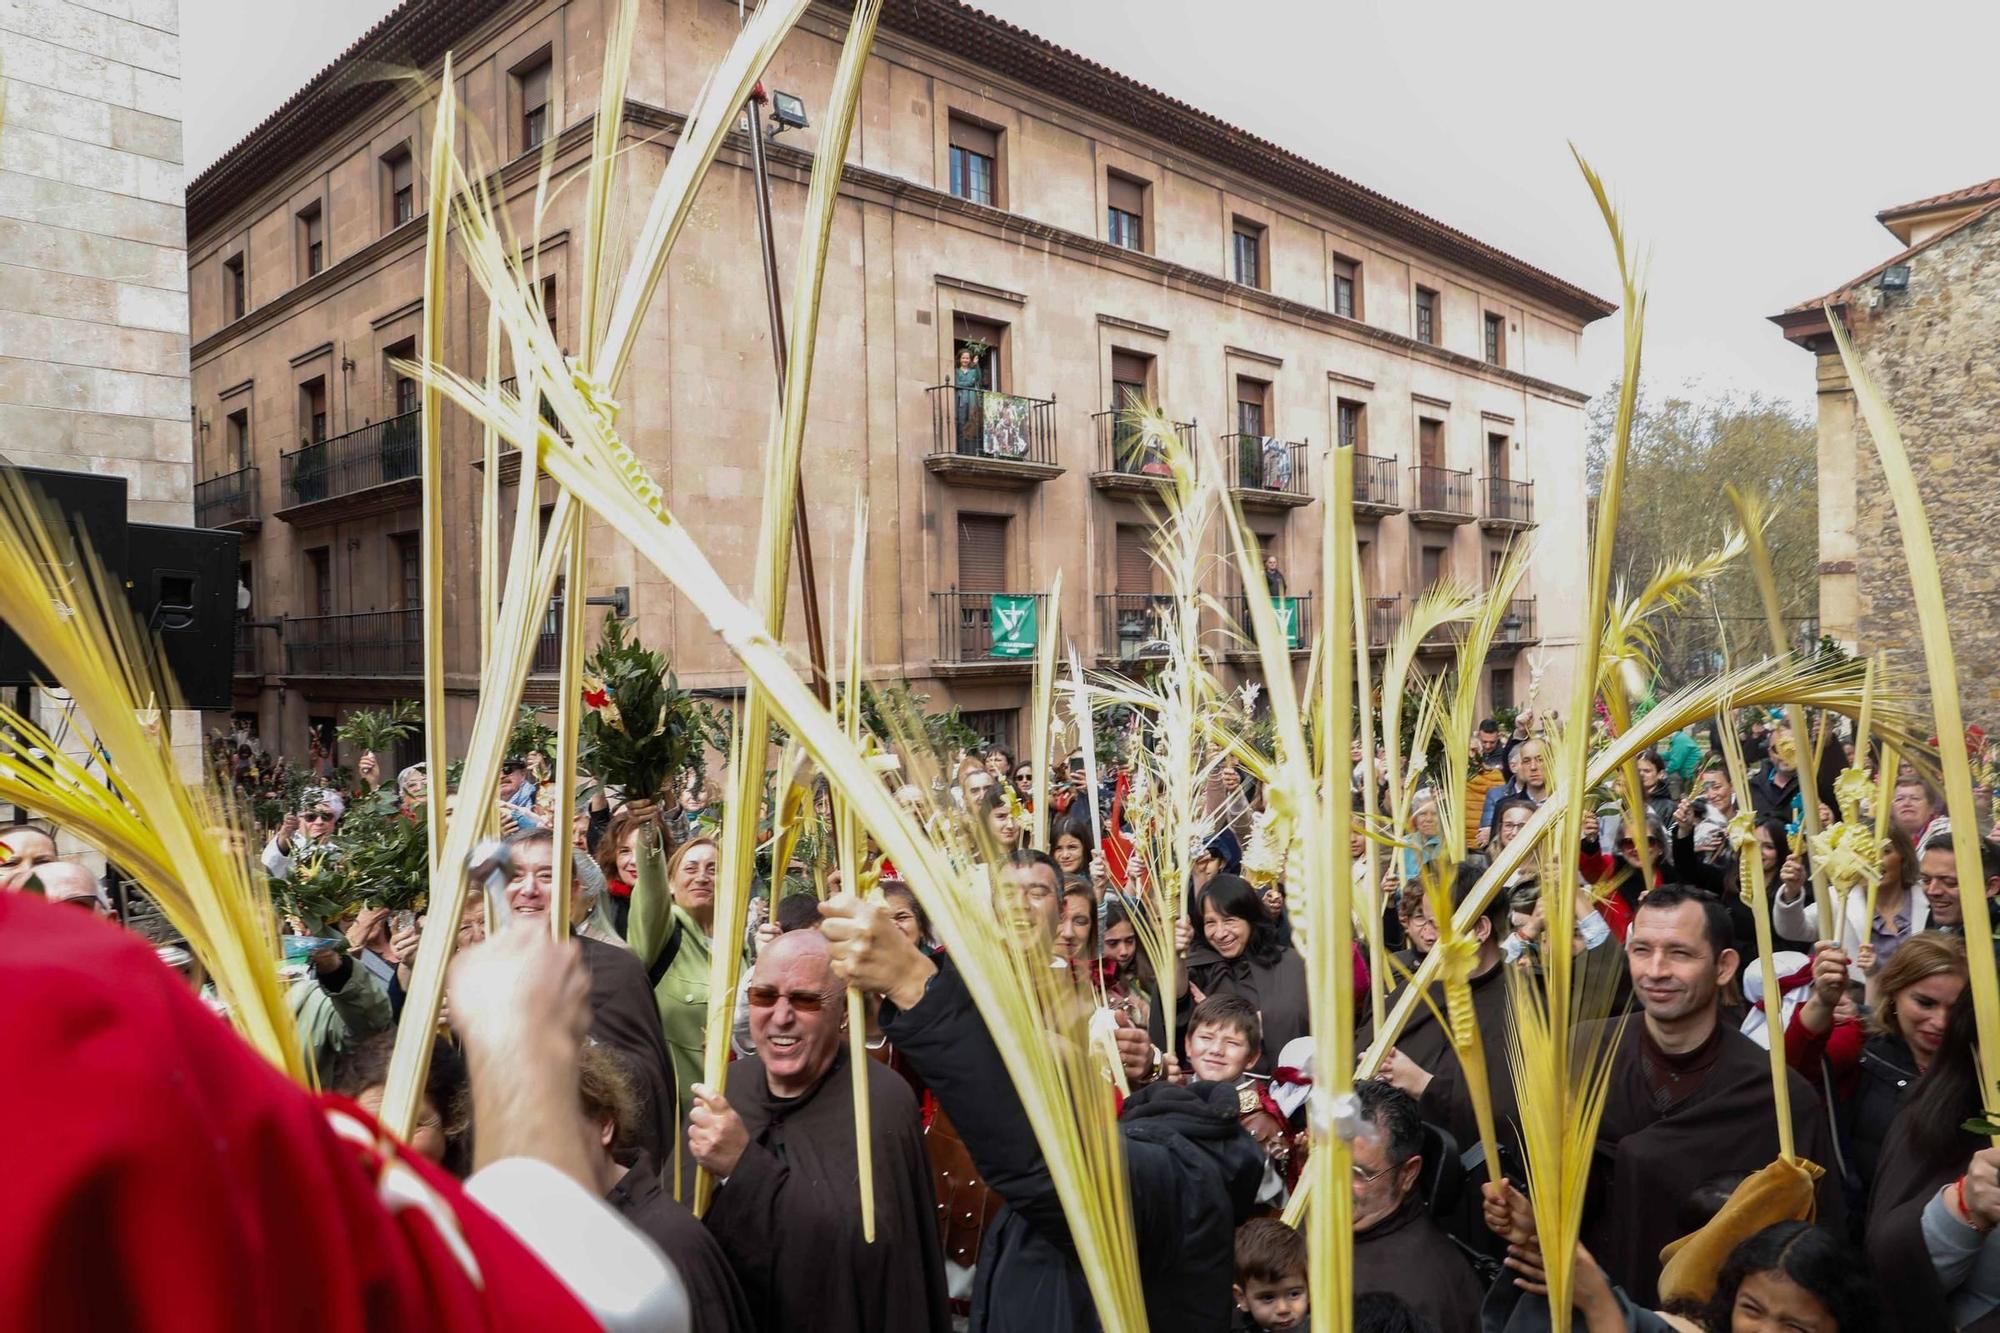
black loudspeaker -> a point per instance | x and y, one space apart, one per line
184 590
90 508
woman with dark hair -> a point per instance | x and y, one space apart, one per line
1868 1070
1076 928
1126 971
1003 825
909 915
1790 1277
1238 952
1069 844
618 857
1937 1196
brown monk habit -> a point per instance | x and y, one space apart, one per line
1427 1044
625 1018
1672 1123
789 1216
715 1300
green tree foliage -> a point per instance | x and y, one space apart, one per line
1685 448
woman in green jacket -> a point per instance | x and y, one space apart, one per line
672 920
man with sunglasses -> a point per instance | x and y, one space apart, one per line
787 1212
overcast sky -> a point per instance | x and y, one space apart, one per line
1749 143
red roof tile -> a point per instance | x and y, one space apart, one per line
1838 294
418 32
1984 192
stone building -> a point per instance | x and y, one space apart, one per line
1086 237
93 255
1925 323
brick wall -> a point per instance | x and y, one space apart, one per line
93 265
1930 350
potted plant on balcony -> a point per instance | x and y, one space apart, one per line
639 730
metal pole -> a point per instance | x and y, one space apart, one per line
801 529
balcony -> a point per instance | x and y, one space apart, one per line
1440 496
1265 472
1127 461
1510 505
1374 486
1518 627
374 467
548 643
1295 617
228 501
980 633
1132 625
366 643
1385 616
983 438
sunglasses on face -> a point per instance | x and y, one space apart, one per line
805 1001
318 816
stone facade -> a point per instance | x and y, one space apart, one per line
1929 349
93 267
913 269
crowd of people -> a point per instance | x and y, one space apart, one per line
967 1226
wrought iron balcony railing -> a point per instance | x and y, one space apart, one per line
988 627
1264 464
373 455
365 643
992 427
225 500
1441 491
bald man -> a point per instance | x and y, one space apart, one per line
788 1211
68 882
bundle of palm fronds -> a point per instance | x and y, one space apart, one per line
640 730
186 845
376 731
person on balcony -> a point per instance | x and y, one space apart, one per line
969 379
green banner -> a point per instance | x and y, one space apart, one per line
1014 628
1288 619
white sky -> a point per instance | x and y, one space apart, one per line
1749 143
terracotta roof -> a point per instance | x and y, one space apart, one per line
418 32
1982 193
1798 319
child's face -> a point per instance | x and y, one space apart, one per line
1219 1052
1279 1304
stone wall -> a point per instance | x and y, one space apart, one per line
1930 350
93 266
93 259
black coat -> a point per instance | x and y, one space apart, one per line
1277 988
1192 1169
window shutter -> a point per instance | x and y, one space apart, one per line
1126 194
1131 368
974 138
982 553
1135 561
535 87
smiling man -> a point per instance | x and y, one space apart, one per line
1686 1088
622 1013
788 1210
1938 877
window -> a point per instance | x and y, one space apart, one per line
1126 196
1131 378
409 570
1353 424
982 553
1252 403
1347 287
1502 689
975 157
532 83
549 306
993 726
1493 559
1246 240
1496 454
984 339
319 581
399 175
1430 442
236 436
1496 339
1134 560
235 292
1427 315
407 395
1436 564
312 407
312 239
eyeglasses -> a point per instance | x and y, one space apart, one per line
1365 1178
1022 777
317 816
805 1001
